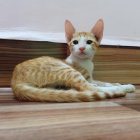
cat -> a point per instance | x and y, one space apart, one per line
38 79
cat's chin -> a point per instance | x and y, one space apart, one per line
83 56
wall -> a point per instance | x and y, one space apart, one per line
34 19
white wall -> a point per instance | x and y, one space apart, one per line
38 17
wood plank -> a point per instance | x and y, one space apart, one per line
102 120
94 123
117 64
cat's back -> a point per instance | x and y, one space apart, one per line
40 64
38 67
40 61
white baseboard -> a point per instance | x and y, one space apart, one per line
115 41
60 37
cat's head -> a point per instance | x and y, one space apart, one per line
84 44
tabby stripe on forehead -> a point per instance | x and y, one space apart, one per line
81 34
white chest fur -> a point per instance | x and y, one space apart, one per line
85 63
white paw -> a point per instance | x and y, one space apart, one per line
128 88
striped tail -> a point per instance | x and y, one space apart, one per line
27 92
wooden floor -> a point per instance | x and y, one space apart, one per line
115 119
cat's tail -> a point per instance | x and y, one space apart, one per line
27 92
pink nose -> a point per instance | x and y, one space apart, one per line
82 49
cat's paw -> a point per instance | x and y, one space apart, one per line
128 88
112 92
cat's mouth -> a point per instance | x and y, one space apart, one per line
82 53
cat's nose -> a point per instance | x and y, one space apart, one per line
81 49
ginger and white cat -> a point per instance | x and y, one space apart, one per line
37 79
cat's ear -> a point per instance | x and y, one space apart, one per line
69 30
98 29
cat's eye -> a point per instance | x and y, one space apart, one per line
75 42
89 41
